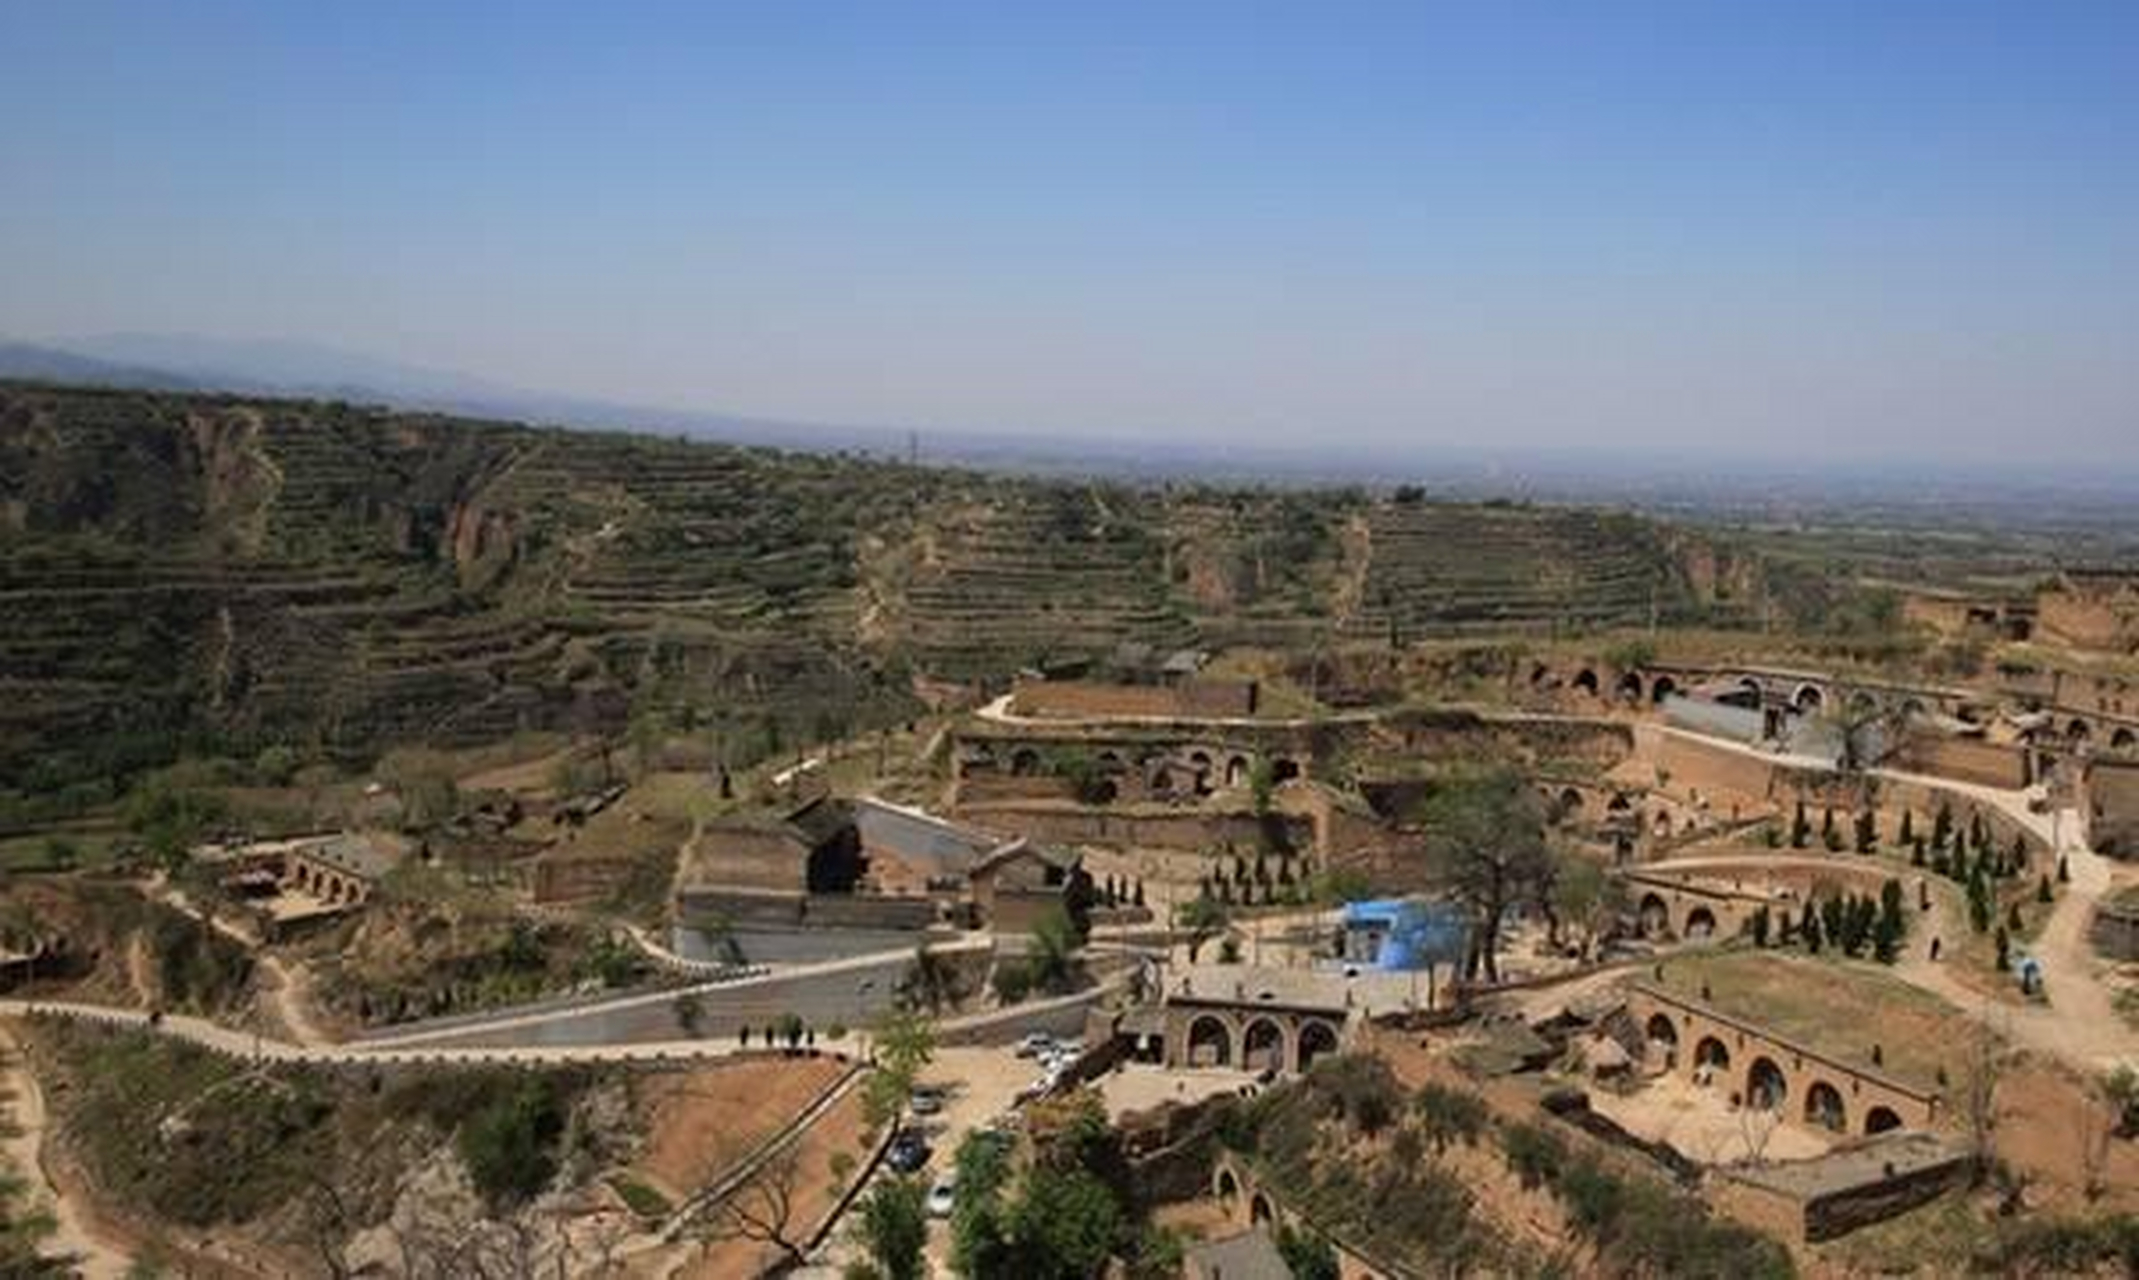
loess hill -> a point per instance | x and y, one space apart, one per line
211 572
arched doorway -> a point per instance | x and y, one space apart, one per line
1653 918
1316 1039
1228 1186
1259 1211
1808 699
1765 1085
1284 770
1881 1119
1823 1107
1024 762
1663 1037
1630 686
2079 730
2123 740
1586 681
1700 923
1661 688
1710 1059
1263 1047
1236 771
1210 1042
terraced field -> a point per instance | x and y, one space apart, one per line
1444 569
207 572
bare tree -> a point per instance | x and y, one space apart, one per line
2097 1120
325 1224
763 1208
1757 1126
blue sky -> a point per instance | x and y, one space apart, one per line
1729 226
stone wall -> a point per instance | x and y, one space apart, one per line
2113 807
1988 764
1187 830
1091 700
1719 773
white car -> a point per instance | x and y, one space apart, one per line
941 1199
1035 1045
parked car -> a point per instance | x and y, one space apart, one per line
909 1151
942 1198
1034 1045
926 1102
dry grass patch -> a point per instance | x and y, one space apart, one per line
700 1123
1841 1008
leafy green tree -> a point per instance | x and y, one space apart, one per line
979 1226
1064 1226
509 1142
894 1227
1485 839
1052 958
1893 924
1307 1255
905 1044
1204 918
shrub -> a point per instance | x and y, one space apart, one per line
1535 1155
1362 1089
509 1142
1448 1115
1012 981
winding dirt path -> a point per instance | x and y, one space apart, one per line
23 1142
288 998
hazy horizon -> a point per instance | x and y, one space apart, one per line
1725 232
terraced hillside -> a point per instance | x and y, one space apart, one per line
200 571
1439 569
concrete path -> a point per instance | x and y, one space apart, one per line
260 1048
759 992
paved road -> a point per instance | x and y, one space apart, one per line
853 992
2079 1024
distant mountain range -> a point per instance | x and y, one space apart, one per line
189 362
1812 491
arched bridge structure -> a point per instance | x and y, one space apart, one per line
1759 1068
